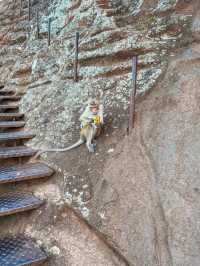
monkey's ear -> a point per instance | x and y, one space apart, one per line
89 101
100 96
101 93
97 101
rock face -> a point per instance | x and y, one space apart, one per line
150 207
136 200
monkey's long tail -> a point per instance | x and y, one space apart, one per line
78 143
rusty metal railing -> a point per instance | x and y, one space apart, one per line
37 25
76 57
29 10
133 95
49 31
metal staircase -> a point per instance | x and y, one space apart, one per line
17 250
20 250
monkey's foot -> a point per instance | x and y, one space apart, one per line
94 145
92 148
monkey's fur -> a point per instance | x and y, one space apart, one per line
88 133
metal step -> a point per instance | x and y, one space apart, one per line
20 251
9 124
14 152
9 106
9 116
14 202
24 172
18 135
10 98
6 92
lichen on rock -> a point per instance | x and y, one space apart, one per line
135 201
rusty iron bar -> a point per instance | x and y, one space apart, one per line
49 31
38 26
29 10
76 57
133 94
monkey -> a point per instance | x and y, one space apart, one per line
92 121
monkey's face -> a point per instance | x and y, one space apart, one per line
94 109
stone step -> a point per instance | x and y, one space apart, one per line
15 152
18 135
20 250
9 106
10 98
11 124
9 116
24 172
14 202
7 92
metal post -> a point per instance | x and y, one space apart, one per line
21 7
49 31
38 26
76 57
133 94
29 10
